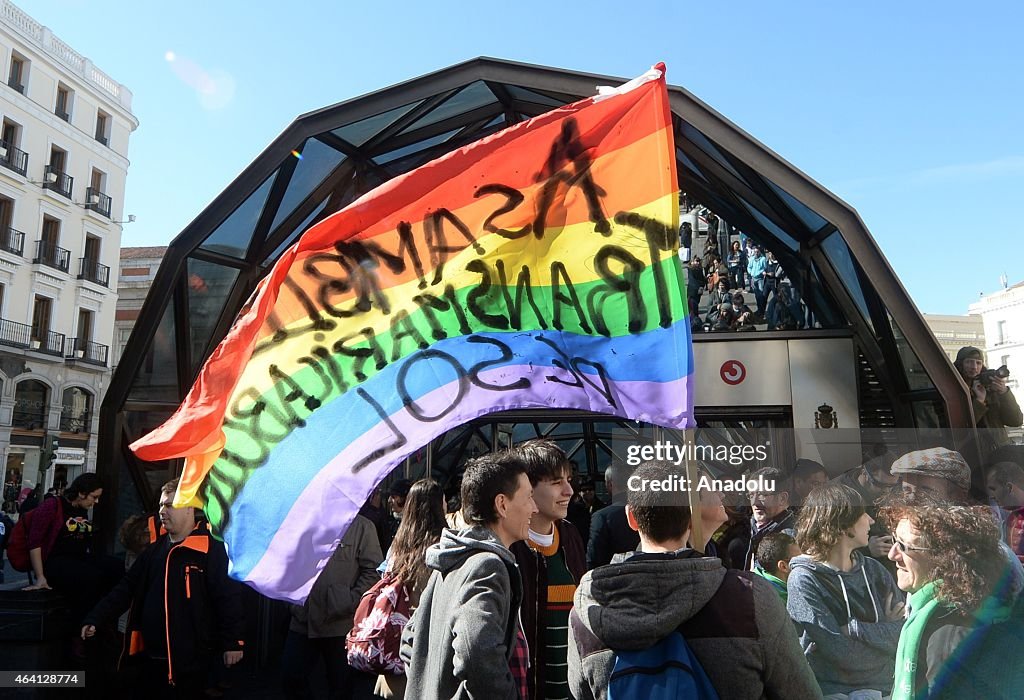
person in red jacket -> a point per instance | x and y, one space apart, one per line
551 561
62 551
182 607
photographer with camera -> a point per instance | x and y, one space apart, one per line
995 407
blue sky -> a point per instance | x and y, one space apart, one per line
911 112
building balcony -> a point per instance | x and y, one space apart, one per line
12 241
94 271
57 181
52 256
97 201
81 350
13 83
13 158
62 114
103 139
22 335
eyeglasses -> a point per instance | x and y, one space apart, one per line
761 496
904 547
877 483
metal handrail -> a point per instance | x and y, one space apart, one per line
13 241
94 271
60 181
87 351
97 201
13 158
52 256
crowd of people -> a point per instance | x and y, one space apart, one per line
889 580
724 279
894 579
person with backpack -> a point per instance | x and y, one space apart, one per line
61 551
373 643
666 622
464 640
319 626
551 561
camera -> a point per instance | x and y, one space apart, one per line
987 375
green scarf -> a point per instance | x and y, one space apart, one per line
777 583
922 605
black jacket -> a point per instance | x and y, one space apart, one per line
783 522
202 606
533 570
610 534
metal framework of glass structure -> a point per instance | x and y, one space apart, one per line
213 265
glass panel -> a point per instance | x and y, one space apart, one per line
741 431
771 226
839 255
808 216
358 133
469 98
917 378
137 424
233 236
705 144
318 161
75 410
299 230
690 165
526 95
157 378
458 446
500 119
209 285
823 311
929 415
385 158
31 405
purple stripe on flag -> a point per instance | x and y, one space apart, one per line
310 532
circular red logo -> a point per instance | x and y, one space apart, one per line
733 372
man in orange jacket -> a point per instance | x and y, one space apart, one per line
183 608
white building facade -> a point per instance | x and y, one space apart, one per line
64 130
1002 313
955 332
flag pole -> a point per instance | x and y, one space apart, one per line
692 477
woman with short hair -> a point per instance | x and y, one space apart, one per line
965 613
846 607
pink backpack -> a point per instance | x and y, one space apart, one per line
374 639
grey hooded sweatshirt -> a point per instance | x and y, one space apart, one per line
733 621
822 601
460 639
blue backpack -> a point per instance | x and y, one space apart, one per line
666 670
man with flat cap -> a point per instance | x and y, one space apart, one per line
939 472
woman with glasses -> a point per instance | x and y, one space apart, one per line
965 612
846 607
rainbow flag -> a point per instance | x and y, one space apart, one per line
535 268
